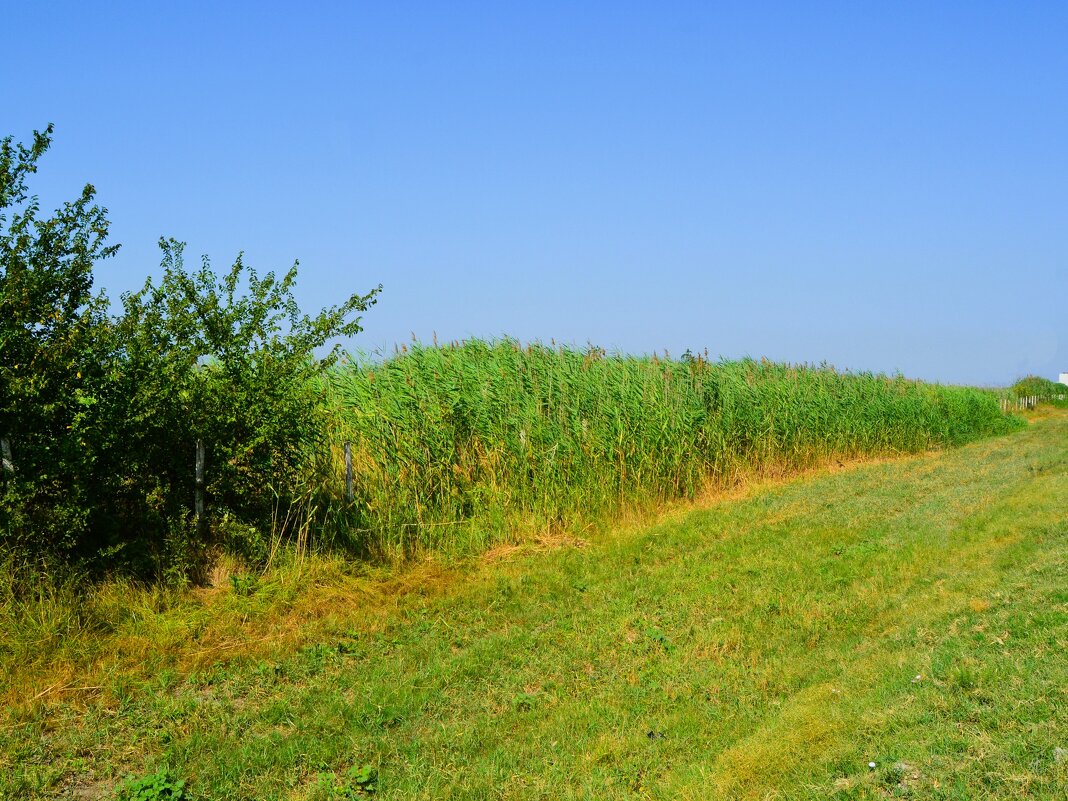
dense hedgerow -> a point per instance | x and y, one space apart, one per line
100 413
1034 386
462 445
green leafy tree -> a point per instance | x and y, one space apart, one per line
102 412
54 343
229 361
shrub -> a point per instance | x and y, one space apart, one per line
1038 387
159 786
202 360
102 412
55 340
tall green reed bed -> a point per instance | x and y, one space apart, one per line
461 446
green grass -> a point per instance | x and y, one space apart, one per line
911 613
463 446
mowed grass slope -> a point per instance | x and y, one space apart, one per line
911 613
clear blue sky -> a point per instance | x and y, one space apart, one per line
882 186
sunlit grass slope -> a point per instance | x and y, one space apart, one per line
460 446
910 613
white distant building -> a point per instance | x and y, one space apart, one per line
1064 378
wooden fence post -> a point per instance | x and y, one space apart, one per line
198 507
5 457
349 491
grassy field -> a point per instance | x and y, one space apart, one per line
889 629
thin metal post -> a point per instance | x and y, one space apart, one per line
198 508
349 491
5 457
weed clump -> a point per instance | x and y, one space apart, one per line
159 786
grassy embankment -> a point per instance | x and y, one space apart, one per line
909 612
465 447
